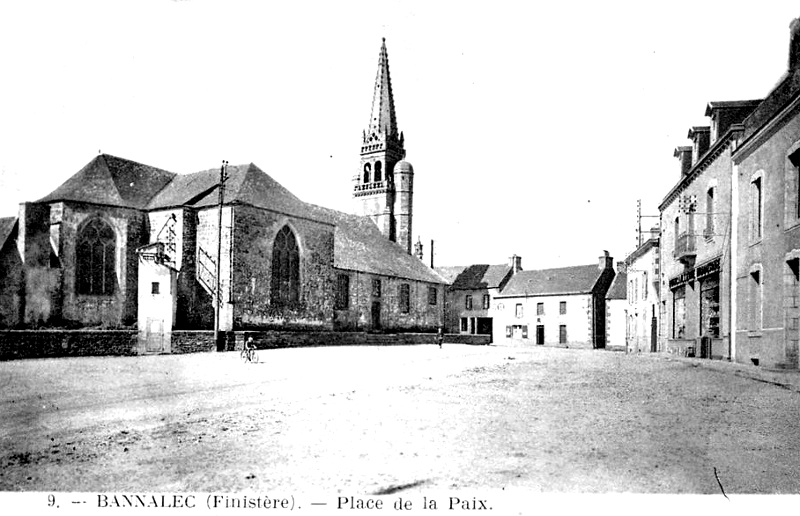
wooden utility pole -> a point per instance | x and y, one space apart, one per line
223 176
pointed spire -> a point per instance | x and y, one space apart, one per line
382 119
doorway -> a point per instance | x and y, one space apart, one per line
376 315
540 334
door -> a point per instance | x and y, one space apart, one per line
376 315
540 334
155 336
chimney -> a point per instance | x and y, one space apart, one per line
606 261
684 155
418 250
515 262
794 44
700 136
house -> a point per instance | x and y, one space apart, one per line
558 307
695 239
642 300
122 244
766 243
471 293
617 311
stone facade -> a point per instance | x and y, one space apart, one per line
696 234
768 229
375 303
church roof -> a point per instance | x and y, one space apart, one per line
246 184
360 246
382 117
112 181
481 276
619 287
579 279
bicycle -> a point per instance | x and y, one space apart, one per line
249 355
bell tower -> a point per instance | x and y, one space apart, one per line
375 191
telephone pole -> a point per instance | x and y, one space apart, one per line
223 176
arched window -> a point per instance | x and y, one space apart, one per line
285 269
378 171
95 259
367 169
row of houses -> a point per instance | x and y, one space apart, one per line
566 306
726 280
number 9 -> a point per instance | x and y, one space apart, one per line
51 500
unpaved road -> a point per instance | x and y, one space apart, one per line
369 420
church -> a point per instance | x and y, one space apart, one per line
121 244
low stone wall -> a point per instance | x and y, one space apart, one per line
287 339
462 338
16 344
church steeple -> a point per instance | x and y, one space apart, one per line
380 190
382 118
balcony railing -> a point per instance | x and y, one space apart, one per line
685 247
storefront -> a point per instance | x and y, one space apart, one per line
695 311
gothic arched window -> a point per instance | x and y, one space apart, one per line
95 259
285 269
378 170
366 172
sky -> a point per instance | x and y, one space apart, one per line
533 127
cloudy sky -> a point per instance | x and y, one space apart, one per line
533 127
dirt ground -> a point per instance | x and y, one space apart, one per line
397 419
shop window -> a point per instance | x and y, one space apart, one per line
465 325
679 313
709 307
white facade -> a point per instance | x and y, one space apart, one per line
558 320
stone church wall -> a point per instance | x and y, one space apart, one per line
120 308
12 283
421 316
254 233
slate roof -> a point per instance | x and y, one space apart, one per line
619 287
480 276
6 228
112 181
360 246
579 279
246 184
450 272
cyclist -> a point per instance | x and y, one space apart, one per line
249 349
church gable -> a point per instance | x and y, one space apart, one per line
112 181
